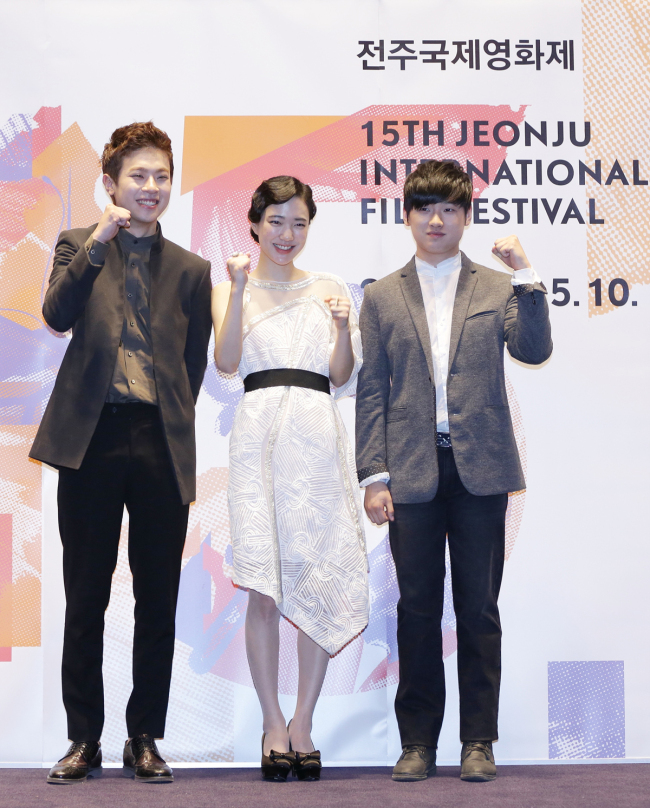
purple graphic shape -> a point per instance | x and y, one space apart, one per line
586 710
448 622
29 362
356 293
209 642
194 599
16 149
226 390
382 625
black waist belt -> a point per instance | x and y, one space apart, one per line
286 377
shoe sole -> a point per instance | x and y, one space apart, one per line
59 781
412 778
478 778
130 773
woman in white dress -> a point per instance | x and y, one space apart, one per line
295 510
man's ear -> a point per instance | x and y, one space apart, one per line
405 217
468 217
109 185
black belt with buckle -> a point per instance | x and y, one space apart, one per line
443 440
286 377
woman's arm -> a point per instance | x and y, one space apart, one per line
342 357
228 314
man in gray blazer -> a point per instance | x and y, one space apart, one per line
437 456
119 426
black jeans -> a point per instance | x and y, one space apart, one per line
475 527
127 464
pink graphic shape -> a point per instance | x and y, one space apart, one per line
49 129
328 160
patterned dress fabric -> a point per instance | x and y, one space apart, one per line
294 503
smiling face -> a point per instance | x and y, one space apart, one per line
282 231
143 187
437 229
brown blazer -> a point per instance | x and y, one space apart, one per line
90 301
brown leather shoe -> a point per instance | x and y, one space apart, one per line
477 761
416 763
81 761
143 761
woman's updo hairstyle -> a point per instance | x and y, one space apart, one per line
277 191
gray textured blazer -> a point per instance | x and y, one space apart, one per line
396 404
90 300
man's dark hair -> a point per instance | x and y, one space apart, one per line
277 191
436 181
128 139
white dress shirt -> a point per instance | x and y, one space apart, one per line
438 284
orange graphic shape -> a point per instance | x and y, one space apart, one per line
60 195
215 145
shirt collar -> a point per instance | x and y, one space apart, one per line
446 267
141 245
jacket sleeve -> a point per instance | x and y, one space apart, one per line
198 333
71 282
373 390
527 325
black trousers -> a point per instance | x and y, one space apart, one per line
127 464
475 527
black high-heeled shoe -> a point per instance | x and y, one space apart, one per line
307 765
276 766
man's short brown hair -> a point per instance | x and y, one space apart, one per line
128 139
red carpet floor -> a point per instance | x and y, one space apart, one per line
592 786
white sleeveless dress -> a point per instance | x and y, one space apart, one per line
293 498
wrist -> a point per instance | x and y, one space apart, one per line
99 236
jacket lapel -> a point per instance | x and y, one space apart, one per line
464 291
412 292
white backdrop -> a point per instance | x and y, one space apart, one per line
576 653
